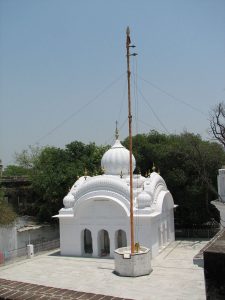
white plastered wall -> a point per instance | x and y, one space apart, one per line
95 215
104 213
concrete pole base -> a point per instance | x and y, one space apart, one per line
137 264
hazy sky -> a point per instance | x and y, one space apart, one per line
63 69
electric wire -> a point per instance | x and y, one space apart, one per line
152 110
147 125
80 109
122 101
173 97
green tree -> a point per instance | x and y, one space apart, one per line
189 166
49 181
53 171
28 157
12 170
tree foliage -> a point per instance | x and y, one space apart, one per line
12 170
188 164
27 158
53 171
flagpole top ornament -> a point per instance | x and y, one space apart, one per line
153 167
85 173
116 131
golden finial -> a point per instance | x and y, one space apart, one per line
116 131
137 247
103 170
85 173
153 167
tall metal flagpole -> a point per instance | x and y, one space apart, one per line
128 42
134 266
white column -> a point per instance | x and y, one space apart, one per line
30 251
94 242
112 242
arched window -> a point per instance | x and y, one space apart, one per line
87 242
103 243
120 239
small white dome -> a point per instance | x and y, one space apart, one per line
143 200
68 201
116 159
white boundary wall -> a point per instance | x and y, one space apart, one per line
8 238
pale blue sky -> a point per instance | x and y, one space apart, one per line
58 55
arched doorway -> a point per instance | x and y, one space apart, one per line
103 243
88 249
120 239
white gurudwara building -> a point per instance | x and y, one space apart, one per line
95 219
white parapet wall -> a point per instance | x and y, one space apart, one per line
8 238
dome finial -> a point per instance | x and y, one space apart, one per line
117 131
102 170
85 173
153 167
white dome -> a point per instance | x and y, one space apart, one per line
116 159
68 201
143 200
